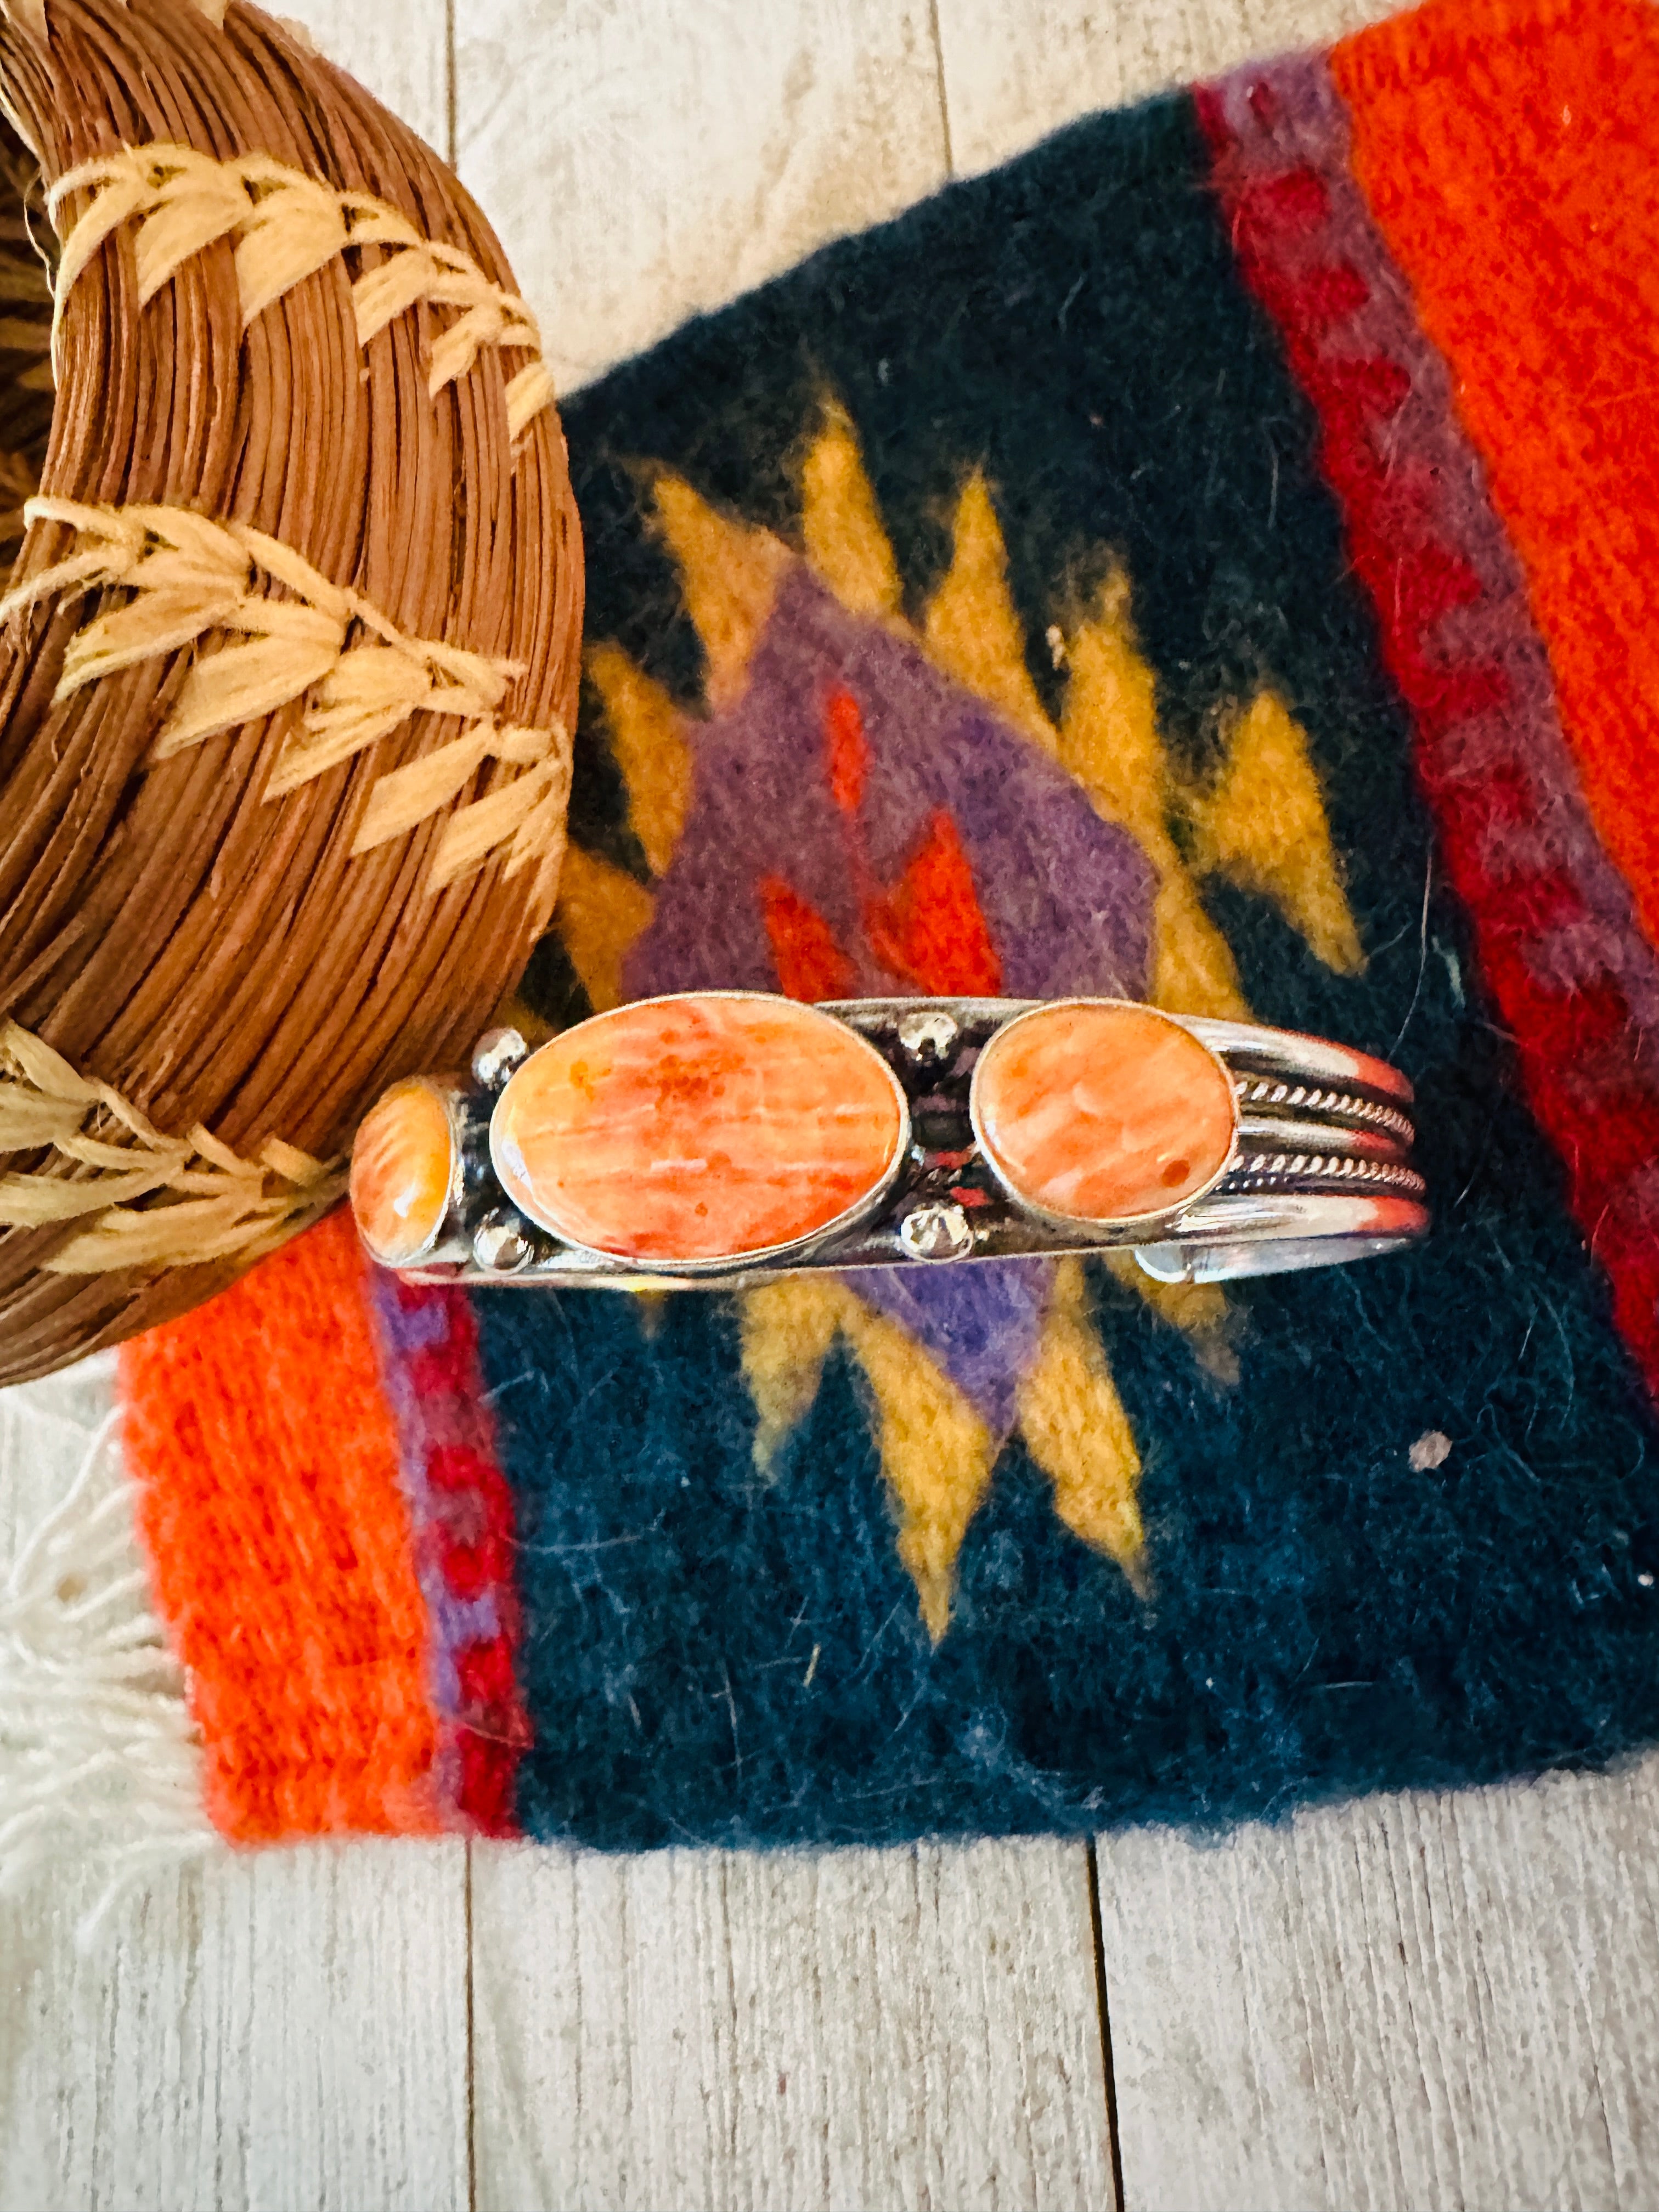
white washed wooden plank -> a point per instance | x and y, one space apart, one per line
643 158
719 2030
1014 74
352 2065
399 52
1421 2000
274 2029
280 2029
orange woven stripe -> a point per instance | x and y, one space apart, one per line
267 1465
1509 154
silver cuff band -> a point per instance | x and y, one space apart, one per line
1319 1172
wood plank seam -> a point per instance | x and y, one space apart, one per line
944 93
449 83
1103 2014
1417 1903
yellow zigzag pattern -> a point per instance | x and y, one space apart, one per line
1262 824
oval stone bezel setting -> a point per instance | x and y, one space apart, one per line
1009 1181
444 1100
533 1206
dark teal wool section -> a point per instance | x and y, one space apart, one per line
712 1657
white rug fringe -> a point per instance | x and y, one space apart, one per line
100 1762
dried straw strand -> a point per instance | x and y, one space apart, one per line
285 225
223 955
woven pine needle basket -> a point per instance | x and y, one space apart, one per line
288 656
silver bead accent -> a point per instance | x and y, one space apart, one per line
938 1231
927 1034
495 1055
499 1245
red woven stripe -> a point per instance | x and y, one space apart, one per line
1578 1034
466 1543
1508 151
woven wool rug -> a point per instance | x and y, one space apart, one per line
1212 559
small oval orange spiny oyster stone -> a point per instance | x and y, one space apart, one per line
1098 1111
699 1128
401 1165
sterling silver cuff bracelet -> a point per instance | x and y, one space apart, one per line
720 1138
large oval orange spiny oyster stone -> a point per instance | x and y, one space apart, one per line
1099 1111
691 1130
402 1166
